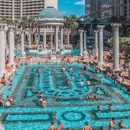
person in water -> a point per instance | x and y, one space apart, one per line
121 125
52 72
87 127
59 125
52 127
112 123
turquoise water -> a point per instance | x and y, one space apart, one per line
71 107
74 52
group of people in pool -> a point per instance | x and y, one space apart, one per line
9 101
113 125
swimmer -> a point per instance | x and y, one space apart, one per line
101 80
90 96
36 92
63 68
110 107
73 77
59 125
68 82
95 97
88 82
10 88
87 127
112 123
52 127
52 72
80 75
70 69
56 95
82 83
44 102
38 71
95 82
99 108
41 95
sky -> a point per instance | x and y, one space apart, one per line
68 7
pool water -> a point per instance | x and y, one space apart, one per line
74 52
71 107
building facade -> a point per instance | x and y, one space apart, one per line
15 9
107 8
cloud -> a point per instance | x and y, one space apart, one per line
82 2
64 12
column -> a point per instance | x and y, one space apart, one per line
68 38
128 8
38 35
11 46
100 57
61 40
2 50
96 43
30 39
81 42
44 37
115 27
85 40
23 54
56 38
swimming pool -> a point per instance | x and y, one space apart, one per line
71 107
74 52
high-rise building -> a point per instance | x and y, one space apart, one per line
87 8
107 8
15 9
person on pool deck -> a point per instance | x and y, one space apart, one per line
87 127
59 125
52 127
121 125
99 108
112 124
52 72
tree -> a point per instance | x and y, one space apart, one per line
94 23
72 23
113 19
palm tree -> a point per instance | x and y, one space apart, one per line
94 23
71 22
113 19
122 20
